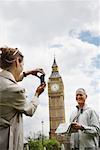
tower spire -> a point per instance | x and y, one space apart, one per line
55 72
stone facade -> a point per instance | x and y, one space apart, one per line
56 101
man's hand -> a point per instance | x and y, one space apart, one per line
40 89
76 125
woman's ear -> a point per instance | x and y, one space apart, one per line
17 62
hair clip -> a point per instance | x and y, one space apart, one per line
15 52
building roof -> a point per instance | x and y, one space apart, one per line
55 72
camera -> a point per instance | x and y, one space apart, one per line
42 79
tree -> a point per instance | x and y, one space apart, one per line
35 145
52 144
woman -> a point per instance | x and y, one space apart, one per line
13 101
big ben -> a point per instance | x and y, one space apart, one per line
56 100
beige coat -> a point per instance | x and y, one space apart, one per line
12 105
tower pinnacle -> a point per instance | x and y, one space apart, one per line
55 72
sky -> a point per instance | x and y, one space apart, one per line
68 29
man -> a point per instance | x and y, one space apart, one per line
85 124
13 102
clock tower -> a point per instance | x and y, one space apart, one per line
56 100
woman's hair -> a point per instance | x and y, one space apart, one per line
8 56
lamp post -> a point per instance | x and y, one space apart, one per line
42 130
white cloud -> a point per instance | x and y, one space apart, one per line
38 22
93 28
33 27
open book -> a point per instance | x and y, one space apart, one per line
65 128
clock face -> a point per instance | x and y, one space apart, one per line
54 87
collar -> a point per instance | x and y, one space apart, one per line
8 75
84 107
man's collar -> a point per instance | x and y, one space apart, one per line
84 107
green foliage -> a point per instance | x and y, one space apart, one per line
51 144
35 145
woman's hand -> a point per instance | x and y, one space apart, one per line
34 72
40 89
31 72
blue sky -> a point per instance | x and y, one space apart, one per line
88 37
96 61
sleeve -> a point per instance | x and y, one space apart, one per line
15 97
94 127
